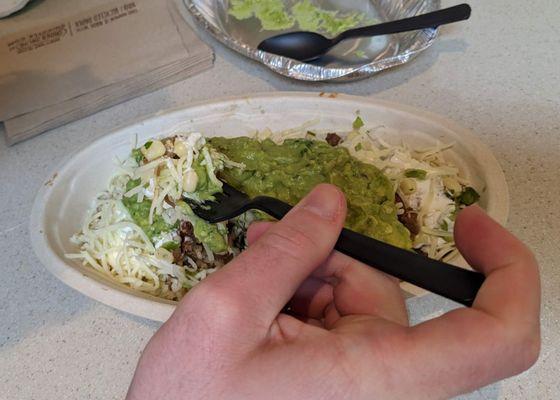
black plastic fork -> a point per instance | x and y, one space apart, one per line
457 284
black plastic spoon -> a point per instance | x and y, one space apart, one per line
307 46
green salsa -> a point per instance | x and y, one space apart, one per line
290 170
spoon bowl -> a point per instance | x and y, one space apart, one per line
303 46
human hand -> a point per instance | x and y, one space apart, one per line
228 338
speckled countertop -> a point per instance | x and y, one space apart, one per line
496 75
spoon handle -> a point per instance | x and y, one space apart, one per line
424 21
457 284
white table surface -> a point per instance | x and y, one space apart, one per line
497 75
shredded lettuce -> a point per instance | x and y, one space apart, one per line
360 54
415 173
274 15
271 13
313 18
307 16
242 9
137 155
358 123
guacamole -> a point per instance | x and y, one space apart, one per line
140 213
212 235
290 170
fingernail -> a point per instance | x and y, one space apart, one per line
325 201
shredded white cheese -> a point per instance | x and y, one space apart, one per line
114 245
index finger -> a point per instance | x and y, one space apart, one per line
499 335
512 286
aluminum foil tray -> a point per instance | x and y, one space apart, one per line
350 60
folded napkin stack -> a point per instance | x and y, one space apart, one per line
61 61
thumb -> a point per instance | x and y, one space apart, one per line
264 277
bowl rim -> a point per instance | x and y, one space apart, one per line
159 310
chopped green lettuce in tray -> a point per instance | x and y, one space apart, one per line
304 15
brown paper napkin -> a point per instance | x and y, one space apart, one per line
79 64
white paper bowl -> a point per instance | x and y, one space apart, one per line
63 200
